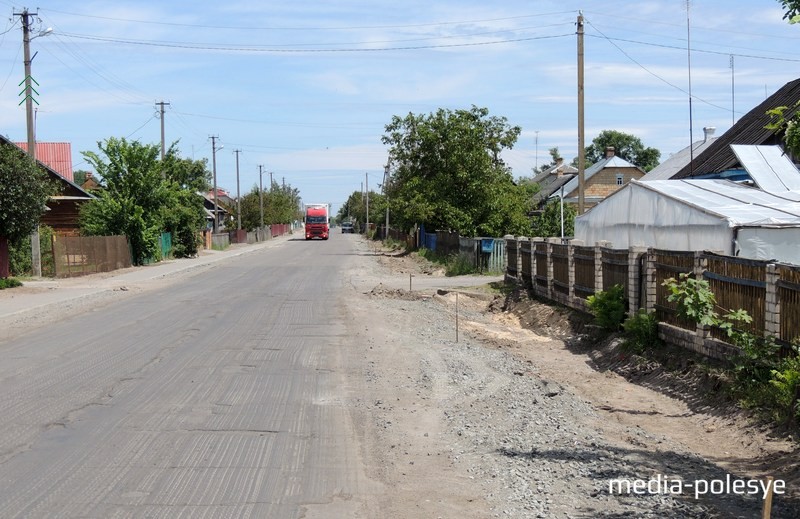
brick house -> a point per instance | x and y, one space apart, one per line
601 180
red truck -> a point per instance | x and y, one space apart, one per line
316 221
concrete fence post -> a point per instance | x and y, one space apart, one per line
508 239
635 276
772 306
571 265
535 266
520 280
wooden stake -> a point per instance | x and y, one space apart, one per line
767 510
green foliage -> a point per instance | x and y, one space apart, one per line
789 126
548 223
459 265
446 172
608 307
24 190
19 256
625 146
355 209
694 299
144 196
9 283
792 8
785 388
641 331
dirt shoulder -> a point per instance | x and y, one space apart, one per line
526 416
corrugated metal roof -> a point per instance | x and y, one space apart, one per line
741 205
750 129
769 167
56 155
677 161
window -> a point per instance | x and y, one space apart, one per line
620 179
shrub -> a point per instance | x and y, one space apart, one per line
641 331
608 307
9 283
785 389
459 265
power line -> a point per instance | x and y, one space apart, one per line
189 46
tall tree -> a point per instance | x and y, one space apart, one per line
627 146
24 190
548 224
446 172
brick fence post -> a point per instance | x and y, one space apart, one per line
520 280
772 307
703 332
650 281
571 266
550 242
535 266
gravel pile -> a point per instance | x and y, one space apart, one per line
536 450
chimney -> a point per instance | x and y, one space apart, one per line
709 132
609 151
559 170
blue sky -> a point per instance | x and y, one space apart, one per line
306 88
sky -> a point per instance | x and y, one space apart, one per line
305 89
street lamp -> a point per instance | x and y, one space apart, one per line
214 150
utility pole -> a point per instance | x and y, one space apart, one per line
581 138
36 255
386 197
214 170
238 195
536 157
261 195
366 229
161 105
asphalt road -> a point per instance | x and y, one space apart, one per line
220 395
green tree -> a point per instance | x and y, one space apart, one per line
787 121
792 8
446 172
625 146
548 224
24 190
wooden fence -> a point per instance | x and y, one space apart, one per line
80 255
570 273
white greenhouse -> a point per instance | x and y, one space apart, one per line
692 215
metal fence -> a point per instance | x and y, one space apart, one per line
80 255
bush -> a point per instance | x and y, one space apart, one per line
641 332
9 283
459 265
785 389
608 307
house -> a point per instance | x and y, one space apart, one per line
679 160
223 215
719 158
697 214
551 180
63 209
601 180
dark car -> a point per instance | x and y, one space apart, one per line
347 227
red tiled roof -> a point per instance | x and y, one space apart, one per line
56 155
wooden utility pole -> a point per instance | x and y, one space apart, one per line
581 139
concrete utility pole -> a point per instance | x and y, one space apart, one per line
238 194
214 150
36 254
161 105
386 197
366 229
261 195
581 139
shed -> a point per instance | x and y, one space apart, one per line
692 215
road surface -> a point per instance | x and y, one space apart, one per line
219 395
